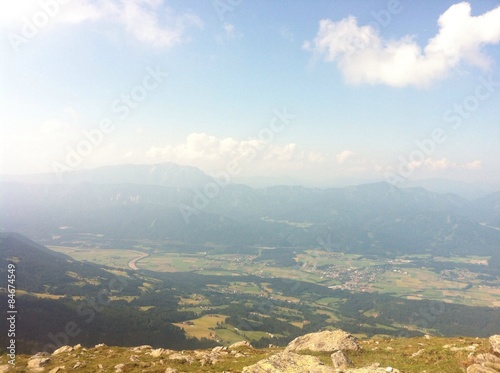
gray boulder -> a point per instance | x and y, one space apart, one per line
495 343
340 361
476 368
289 362
240 344
37 363
326 341
63 350
375 368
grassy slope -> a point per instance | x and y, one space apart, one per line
388 352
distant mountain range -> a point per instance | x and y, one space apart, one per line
175 175
165 174
178 203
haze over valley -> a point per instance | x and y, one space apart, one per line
206 186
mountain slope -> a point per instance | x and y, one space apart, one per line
60 300
410 355
372 218
41 270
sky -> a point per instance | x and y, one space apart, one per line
307 91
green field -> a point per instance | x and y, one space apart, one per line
203 327
110 257
411 283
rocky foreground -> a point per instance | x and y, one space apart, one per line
322 352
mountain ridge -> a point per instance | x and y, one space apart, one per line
366 218
166 174
176 175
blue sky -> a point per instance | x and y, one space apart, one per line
370 90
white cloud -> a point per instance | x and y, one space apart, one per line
345 155
16 10
474 165
149 21
201 146
230 31
52 126
316 157
33 148
439 164
446 164
212 153
141 19
364 57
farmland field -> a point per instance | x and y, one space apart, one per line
333 269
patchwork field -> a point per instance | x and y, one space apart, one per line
327 268
203 327
111 257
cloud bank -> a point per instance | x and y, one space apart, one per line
363 57
148 21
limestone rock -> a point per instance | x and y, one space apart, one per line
466 348
36 363
170 370
289 362
326 341
419 352
79 364
487 358
142 348
4 368
219 348
495 343
375 368
40 354
181 358
63 350
240 344
340 361
476 368
57 369
157 352
119 368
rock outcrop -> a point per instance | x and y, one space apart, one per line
37 363
241 344
340 360
334 352
62 350
495 343
486 362
335 341
289 362
476 368
326 341
375 368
